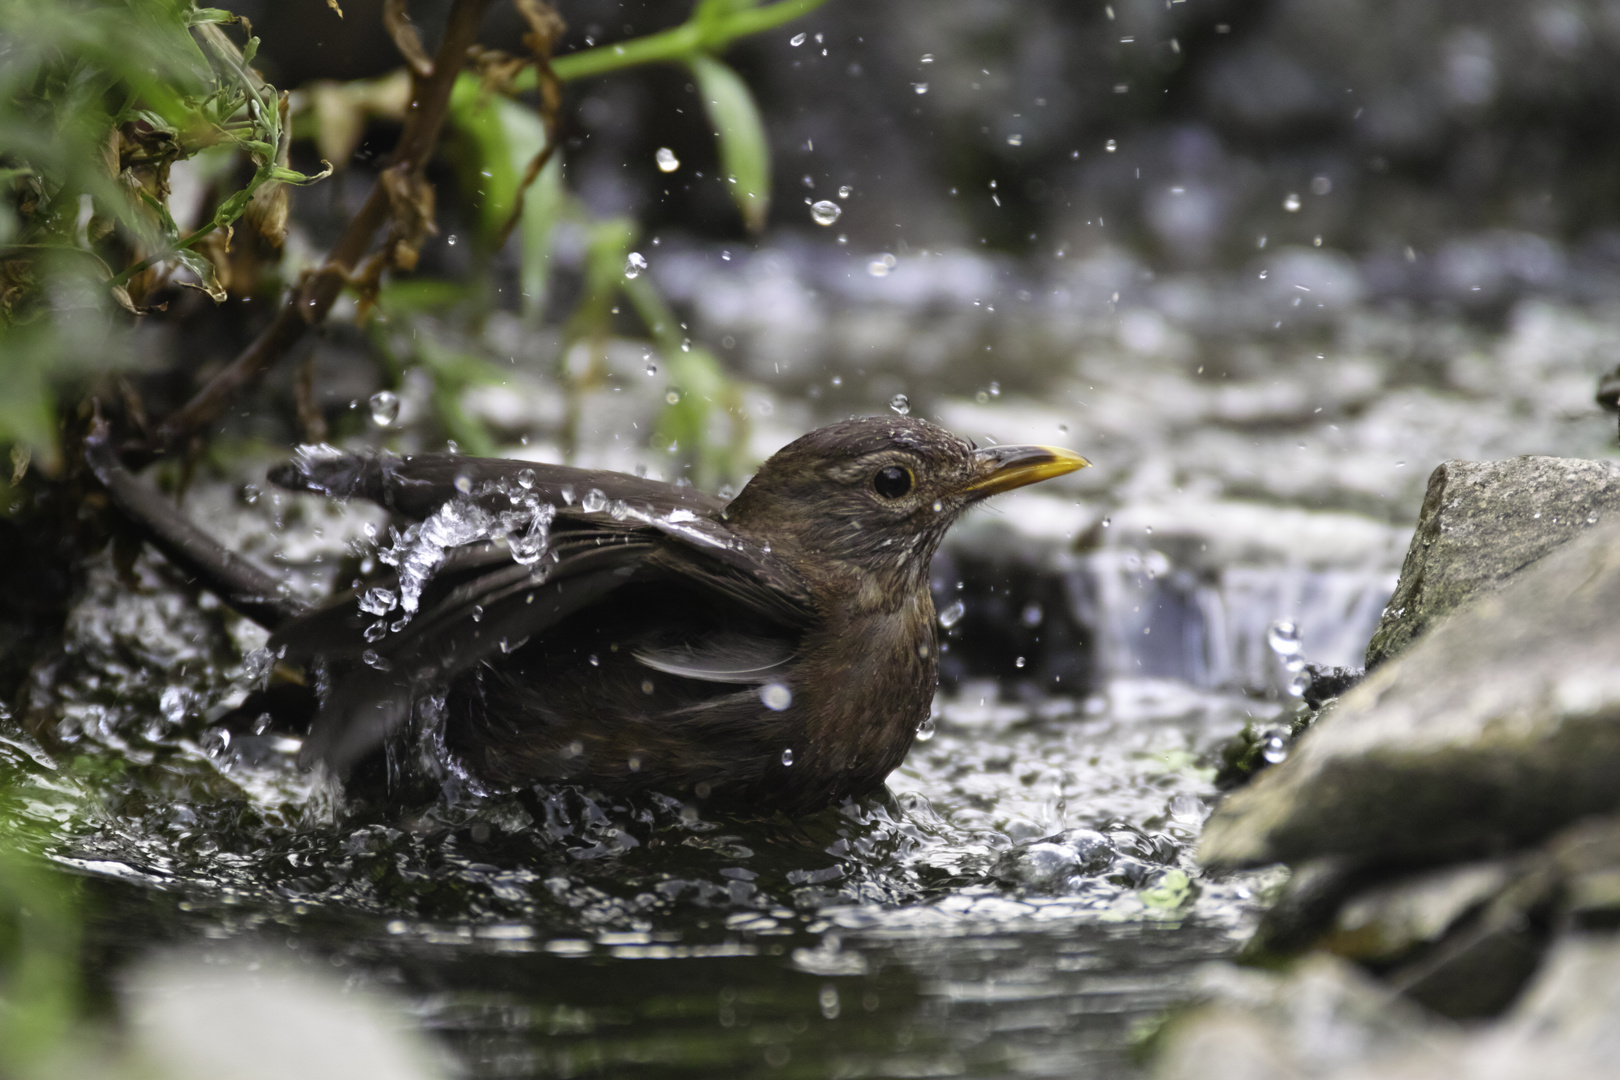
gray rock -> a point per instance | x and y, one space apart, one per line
1482 522
1496 728
1324 1019
1390 921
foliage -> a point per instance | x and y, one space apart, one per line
101 99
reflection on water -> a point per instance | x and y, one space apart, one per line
1019 904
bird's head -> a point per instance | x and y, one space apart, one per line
877 494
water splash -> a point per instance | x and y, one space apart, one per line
384 408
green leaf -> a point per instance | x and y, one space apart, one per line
500 138
745 152
204 272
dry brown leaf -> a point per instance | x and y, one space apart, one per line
410 206
406 37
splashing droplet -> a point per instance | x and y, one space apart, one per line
378 601
925 730
825 212
594 501
634 264
952 614
1283 637
900 404
775 696
667 161
384 407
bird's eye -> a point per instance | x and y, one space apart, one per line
892 481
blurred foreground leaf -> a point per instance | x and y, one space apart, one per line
745 152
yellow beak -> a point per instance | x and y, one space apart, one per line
1002 468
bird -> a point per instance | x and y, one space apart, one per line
776 652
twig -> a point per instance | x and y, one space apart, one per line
309 303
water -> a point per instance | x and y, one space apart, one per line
825 212
1018 904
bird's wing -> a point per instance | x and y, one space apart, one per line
721 658
416 486
482 611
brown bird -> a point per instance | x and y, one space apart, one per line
774 652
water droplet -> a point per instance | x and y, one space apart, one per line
880 266
796 40
845 191
952 614
920 87
925 730
775 696
594 501
829 1002
477 613
652 368
451 239
1110 146
596 661
378 601
634 264
373 660
825 212
384 407
1107 521
463 484
1283 637
525 479
900 404
667 161
1276 750
172 703
376 630
1187 807
1018 663
673 397
787 756
1300 683
1291 204
1015 140
1033 614
995 389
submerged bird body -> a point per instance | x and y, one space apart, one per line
774 652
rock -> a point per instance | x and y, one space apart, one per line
1321 1018
1387 923
259 1017
1325 1020
1482 522
1495 729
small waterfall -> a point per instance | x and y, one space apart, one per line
1188 594
1154 620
